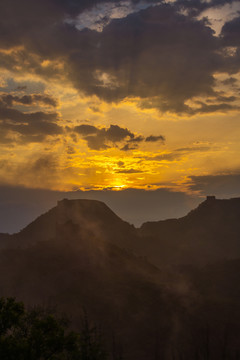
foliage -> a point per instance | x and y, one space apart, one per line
38 334
91 344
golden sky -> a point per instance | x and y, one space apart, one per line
119 95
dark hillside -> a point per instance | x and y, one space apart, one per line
91 217
121 292
207 234
76 257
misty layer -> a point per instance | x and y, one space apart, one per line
78 256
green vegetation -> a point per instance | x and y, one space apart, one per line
38 334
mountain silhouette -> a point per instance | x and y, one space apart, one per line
88 217
149 288
80 271
207 234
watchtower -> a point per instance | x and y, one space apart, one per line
211 198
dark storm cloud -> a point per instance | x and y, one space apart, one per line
25 19
10 100
230 81
86 129
31 126
18 116
230 38
29 60
137 139
162 57
129 171
35 131
158 54
97 137
21 88
38 127
115 133
38 169
223 98
43 164
96 142
30 21
195 7
223 107
192 149
128 147
102 138
177 154
120 163
74 7
166 157
153 138
231 32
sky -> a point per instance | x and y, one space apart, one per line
136 103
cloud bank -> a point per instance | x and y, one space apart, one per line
162 55
103 138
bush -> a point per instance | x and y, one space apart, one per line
38 334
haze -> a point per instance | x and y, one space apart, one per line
126 95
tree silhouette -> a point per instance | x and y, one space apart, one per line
38 334
91 344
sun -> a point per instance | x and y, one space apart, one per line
119 187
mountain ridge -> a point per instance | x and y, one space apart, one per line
93 216
198 237
206 234
144 307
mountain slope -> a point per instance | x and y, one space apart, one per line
121 292
207 234
90 217
72 257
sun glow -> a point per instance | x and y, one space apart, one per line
118 187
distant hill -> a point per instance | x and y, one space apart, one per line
90 217
207 234
79 272
148 288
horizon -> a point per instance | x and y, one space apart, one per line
136 100
19 207
139 221
136 104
